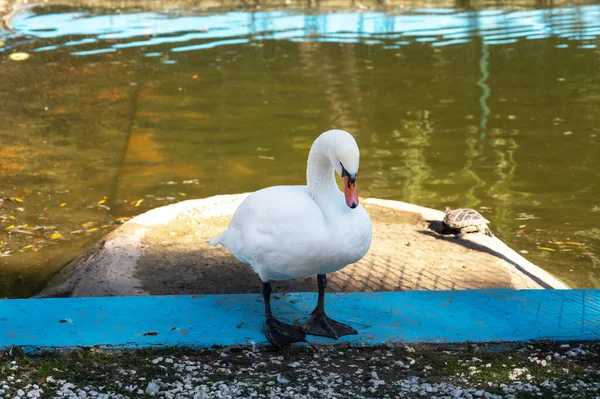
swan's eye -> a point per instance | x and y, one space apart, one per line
351 178
344 171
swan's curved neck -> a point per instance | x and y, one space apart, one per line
320 176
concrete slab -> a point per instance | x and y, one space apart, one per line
388 317
163 252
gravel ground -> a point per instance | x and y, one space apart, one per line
545 370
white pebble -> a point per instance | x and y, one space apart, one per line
152 387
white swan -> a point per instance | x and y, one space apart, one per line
285 232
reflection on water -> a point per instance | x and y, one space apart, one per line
116 113
181 33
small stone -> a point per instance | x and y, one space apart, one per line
544 363
152 388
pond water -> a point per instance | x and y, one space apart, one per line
108 113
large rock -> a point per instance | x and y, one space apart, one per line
164 252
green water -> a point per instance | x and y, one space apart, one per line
491 109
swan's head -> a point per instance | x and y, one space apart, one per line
344 157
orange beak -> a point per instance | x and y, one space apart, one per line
350 193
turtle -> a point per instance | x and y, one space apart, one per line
463 221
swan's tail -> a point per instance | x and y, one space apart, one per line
214 241
232 240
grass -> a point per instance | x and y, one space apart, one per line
481 367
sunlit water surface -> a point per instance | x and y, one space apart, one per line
113 114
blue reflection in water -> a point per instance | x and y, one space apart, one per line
210 45
439 27
97 51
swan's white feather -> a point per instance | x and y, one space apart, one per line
284 233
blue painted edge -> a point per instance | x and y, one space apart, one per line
205 321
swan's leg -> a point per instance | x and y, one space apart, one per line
279 334
319 323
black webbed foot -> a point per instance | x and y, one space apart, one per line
280 334
320 324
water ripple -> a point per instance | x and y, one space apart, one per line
90 34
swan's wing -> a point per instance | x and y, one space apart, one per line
276 225
279 212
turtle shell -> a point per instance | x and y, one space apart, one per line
459 218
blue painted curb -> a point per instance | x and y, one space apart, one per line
203 321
